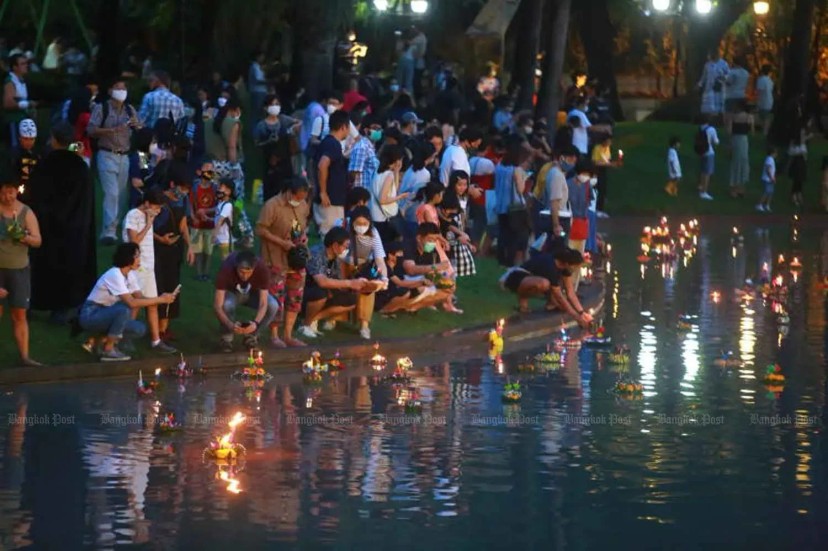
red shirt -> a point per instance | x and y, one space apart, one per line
203 198
228 278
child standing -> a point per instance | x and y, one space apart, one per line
204 201
25 157
673 167
224 217
768 181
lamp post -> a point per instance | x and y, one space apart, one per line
761 8
415 7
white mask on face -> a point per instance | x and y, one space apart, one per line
294 203
361 230
331 109
463 203
222 101
395 87
528 129
344 254
119 95
274 110
593 182
583 178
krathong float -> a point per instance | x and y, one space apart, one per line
548 357
598 338
255 368
377 361
409 399
774 378
148 388
496 339
167 424
512 393
400 373
183 370
335 365
628 388
313 369
225 447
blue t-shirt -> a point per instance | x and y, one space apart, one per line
337 171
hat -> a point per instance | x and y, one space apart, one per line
410 117
28 128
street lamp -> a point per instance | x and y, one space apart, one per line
661 5
761 8
419 6
704 6
381 5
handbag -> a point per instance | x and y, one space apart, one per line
519 220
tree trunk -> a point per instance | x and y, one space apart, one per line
556 34
598 38
320 21
206 61
528 41
110 44
797 65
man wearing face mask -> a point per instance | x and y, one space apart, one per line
327 295
282 226
243 281
553 193
456 157
111 125
545 275
423 257
332 175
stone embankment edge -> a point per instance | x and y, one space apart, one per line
519 329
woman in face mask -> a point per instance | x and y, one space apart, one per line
385 194
366 259
275 135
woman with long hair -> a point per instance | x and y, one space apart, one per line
454 213
510 205
385 195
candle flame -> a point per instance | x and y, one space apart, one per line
236 420
157 371
21 189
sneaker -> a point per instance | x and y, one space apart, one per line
365 333
602 214
760 208
706 196
308 332
164 348
114 355
329 325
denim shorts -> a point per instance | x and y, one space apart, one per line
18 283
708 163
768 187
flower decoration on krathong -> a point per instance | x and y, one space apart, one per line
336 364
183 369
168 424
440 280
598 338
511 392
619 356
254 368
627 388
548 357
225 447
14 230
378 361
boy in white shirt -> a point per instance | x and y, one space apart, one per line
224 218
673 167
138 229
768 180
708 158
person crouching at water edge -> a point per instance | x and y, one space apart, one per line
548 275
108 308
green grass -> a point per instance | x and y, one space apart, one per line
638 186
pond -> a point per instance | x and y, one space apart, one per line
705 456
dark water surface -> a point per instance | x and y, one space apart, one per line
707 458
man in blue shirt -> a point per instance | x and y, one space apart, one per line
332 174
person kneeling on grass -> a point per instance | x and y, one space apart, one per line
108 308
401 292
243 280
546 274
425 260
327 295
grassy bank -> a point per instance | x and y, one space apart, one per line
638 186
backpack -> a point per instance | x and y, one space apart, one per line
93 142
701 143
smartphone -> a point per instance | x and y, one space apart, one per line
177 289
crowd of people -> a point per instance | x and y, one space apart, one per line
366 208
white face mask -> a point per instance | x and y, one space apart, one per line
395 87
294 203
528 129
361 230
344 254
331 109
583 178
463 203
222 101
274 110
119 95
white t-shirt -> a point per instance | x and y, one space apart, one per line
764 93
136 220
673 164
413 180
454 158
769 170
556 188
580 137
381 213
321 127
111 285
225 210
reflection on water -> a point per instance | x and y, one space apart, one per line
707 455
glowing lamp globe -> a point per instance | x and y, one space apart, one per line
761 8
419 6
661 5
381 5
704 6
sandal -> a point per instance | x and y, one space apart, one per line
276 342
294 343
